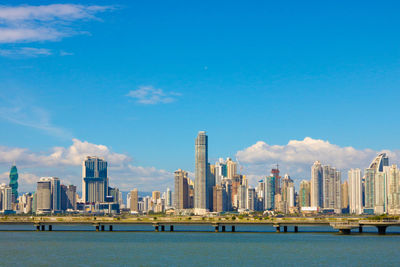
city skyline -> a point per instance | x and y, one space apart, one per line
28 183
288 84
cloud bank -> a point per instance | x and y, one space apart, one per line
28 24
297 157
65 163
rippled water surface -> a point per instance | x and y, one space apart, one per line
253 246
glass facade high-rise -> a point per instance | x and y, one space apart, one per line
304 193
269 199
94 180
376 184
14 183
202 185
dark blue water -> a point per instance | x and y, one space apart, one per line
313 246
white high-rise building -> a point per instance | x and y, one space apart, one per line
5 198
168 199
220 171
128 200
355 191
316 185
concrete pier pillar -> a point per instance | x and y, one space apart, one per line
296 229
171 228
360 230
102 228
162 228
97 228
43 227
381 230
223 228
156 228
50 227
285 229
110 228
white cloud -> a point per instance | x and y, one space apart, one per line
26 181
25 52
65 163
297 157
150 95
58 156
20 24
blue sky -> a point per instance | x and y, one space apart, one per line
143 77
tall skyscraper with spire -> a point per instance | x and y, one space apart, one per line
14 183
202 185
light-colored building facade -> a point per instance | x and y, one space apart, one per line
355 191
6 198
316 189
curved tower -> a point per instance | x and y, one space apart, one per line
14 183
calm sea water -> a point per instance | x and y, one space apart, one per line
254 246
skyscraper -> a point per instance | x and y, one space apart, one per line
345 196
376 184
316 190
269 198
5 198
202 184
43 196
231 168
94 180
394 190
220 199
155 195
55 194
304 194
134 200
251 199
220 171
355 191
287 193
68 197
14 183
181 190
331 188
275 173
168 199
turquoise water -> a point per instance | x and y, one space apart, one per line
316 246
